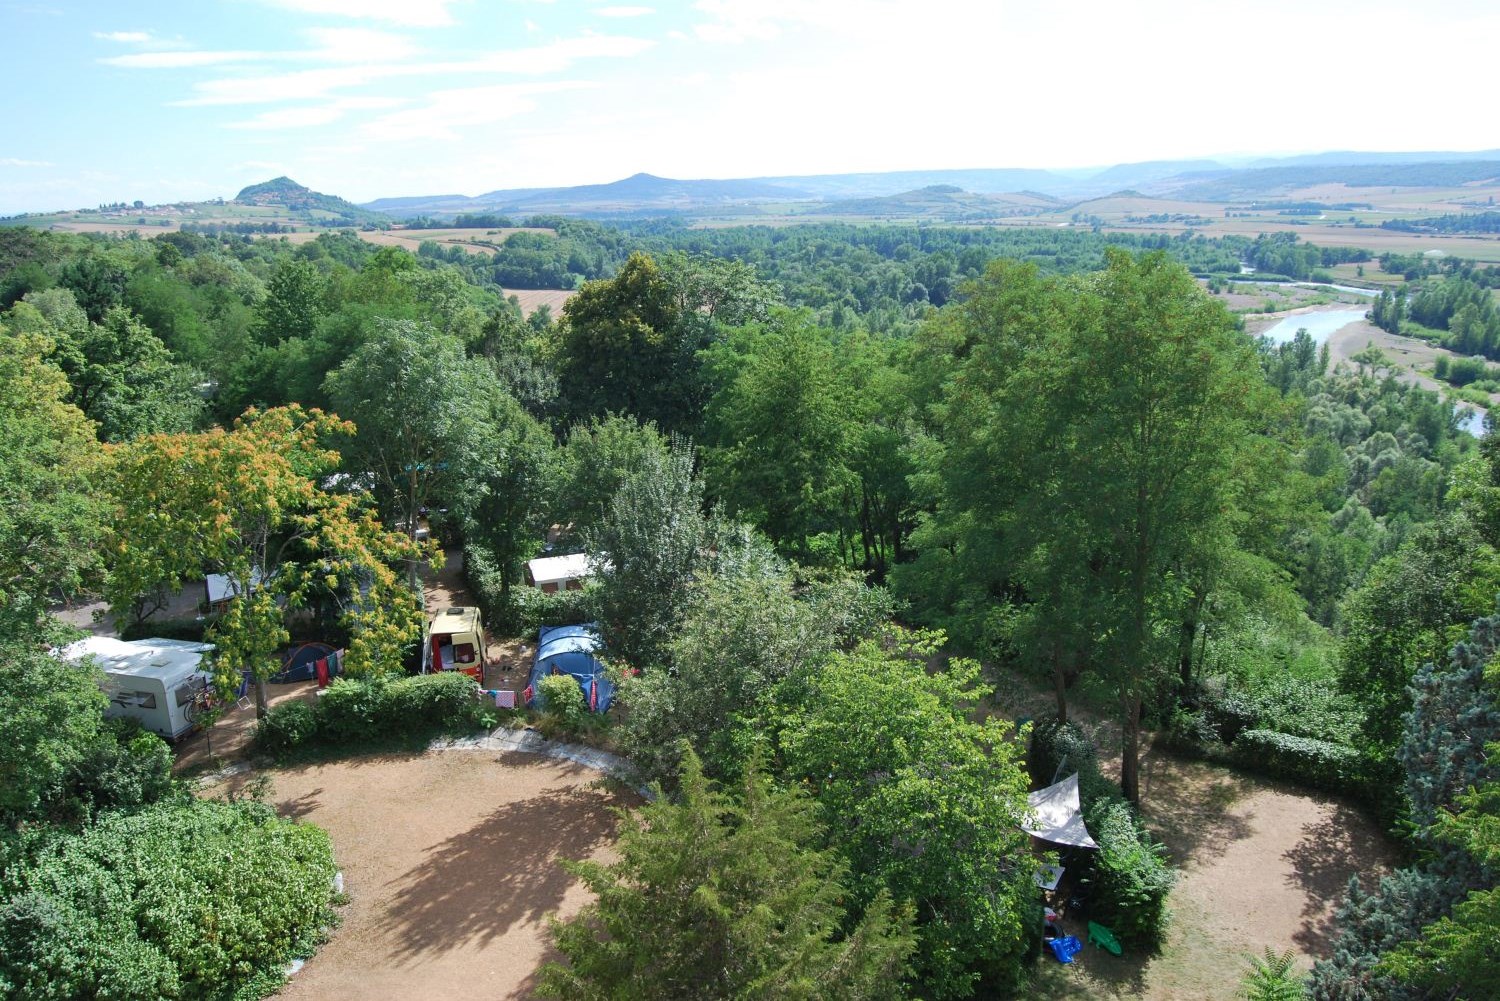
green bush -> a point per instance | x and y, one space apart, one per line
349 710
1318 763
180 900
561 699
427 703
1130 876
360 711
1303 708
192 630
285 727
130 768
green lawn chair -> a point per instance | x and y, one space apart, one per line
1103 938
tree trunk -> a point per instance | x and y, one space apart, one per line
1185 640
1130 761
262 704
1060 686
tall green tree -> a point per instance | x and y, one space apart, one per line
727 897
1164 392
646 551
925 802
293 303
50 517
418 403
782 431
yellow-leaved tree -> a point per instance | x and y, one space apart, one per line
247 503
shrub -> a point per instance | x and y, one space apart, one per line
285 727
427 703
1130 877
348 710
561 698
358 711
185 900
128 769
192 630
1319 763
1304 708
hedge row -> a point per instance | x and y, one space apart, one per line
180 900
354 711
1317 763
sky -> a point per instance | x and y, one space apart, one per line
170 101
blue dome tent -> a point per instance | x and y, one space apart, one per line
570 650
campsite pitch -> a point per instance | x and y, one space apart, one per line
450 862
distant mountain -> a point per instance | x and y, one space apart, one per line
1351 158
648 190
849 194
283 192
945 202
1130 175
1274 181
639 193
880 185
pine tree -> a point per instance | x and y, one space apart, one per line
721 896
1453 714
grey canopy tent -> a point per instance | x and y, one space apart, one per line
1055 815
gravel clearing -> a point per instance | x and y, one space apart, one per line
450 860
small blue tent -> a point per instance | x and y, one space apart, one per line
570 650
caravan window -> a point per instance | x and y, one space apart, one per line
463 652
145 700
184 694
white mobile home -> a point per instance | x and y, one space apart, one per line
154 681
558 573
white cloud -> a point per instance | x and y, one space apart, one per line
555 57
291 118
14 161
332 45
412 13
349 45
296 86
124 36
448 111
322 114
184 60
558 56
624 11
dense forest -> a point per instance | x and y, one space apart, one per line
840 483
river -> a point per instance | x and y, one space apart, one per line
1320 325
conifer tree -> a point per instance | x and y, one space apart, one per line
720 896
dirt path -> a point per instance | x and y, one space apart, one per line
1261 863
450 861
508 658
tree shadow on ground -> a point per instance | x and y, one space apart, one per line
1190 806
476 885
1093 974
1329 852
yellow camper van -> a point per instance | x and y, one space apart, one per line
455 642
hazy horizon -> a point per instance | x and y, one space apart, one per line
377 98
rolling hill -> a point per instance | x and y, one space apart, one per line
285 193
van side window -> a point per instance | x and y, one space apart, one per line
463 652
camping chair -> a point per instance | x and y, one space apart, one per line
1104 938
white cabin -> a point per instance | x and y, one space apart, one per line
558 573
